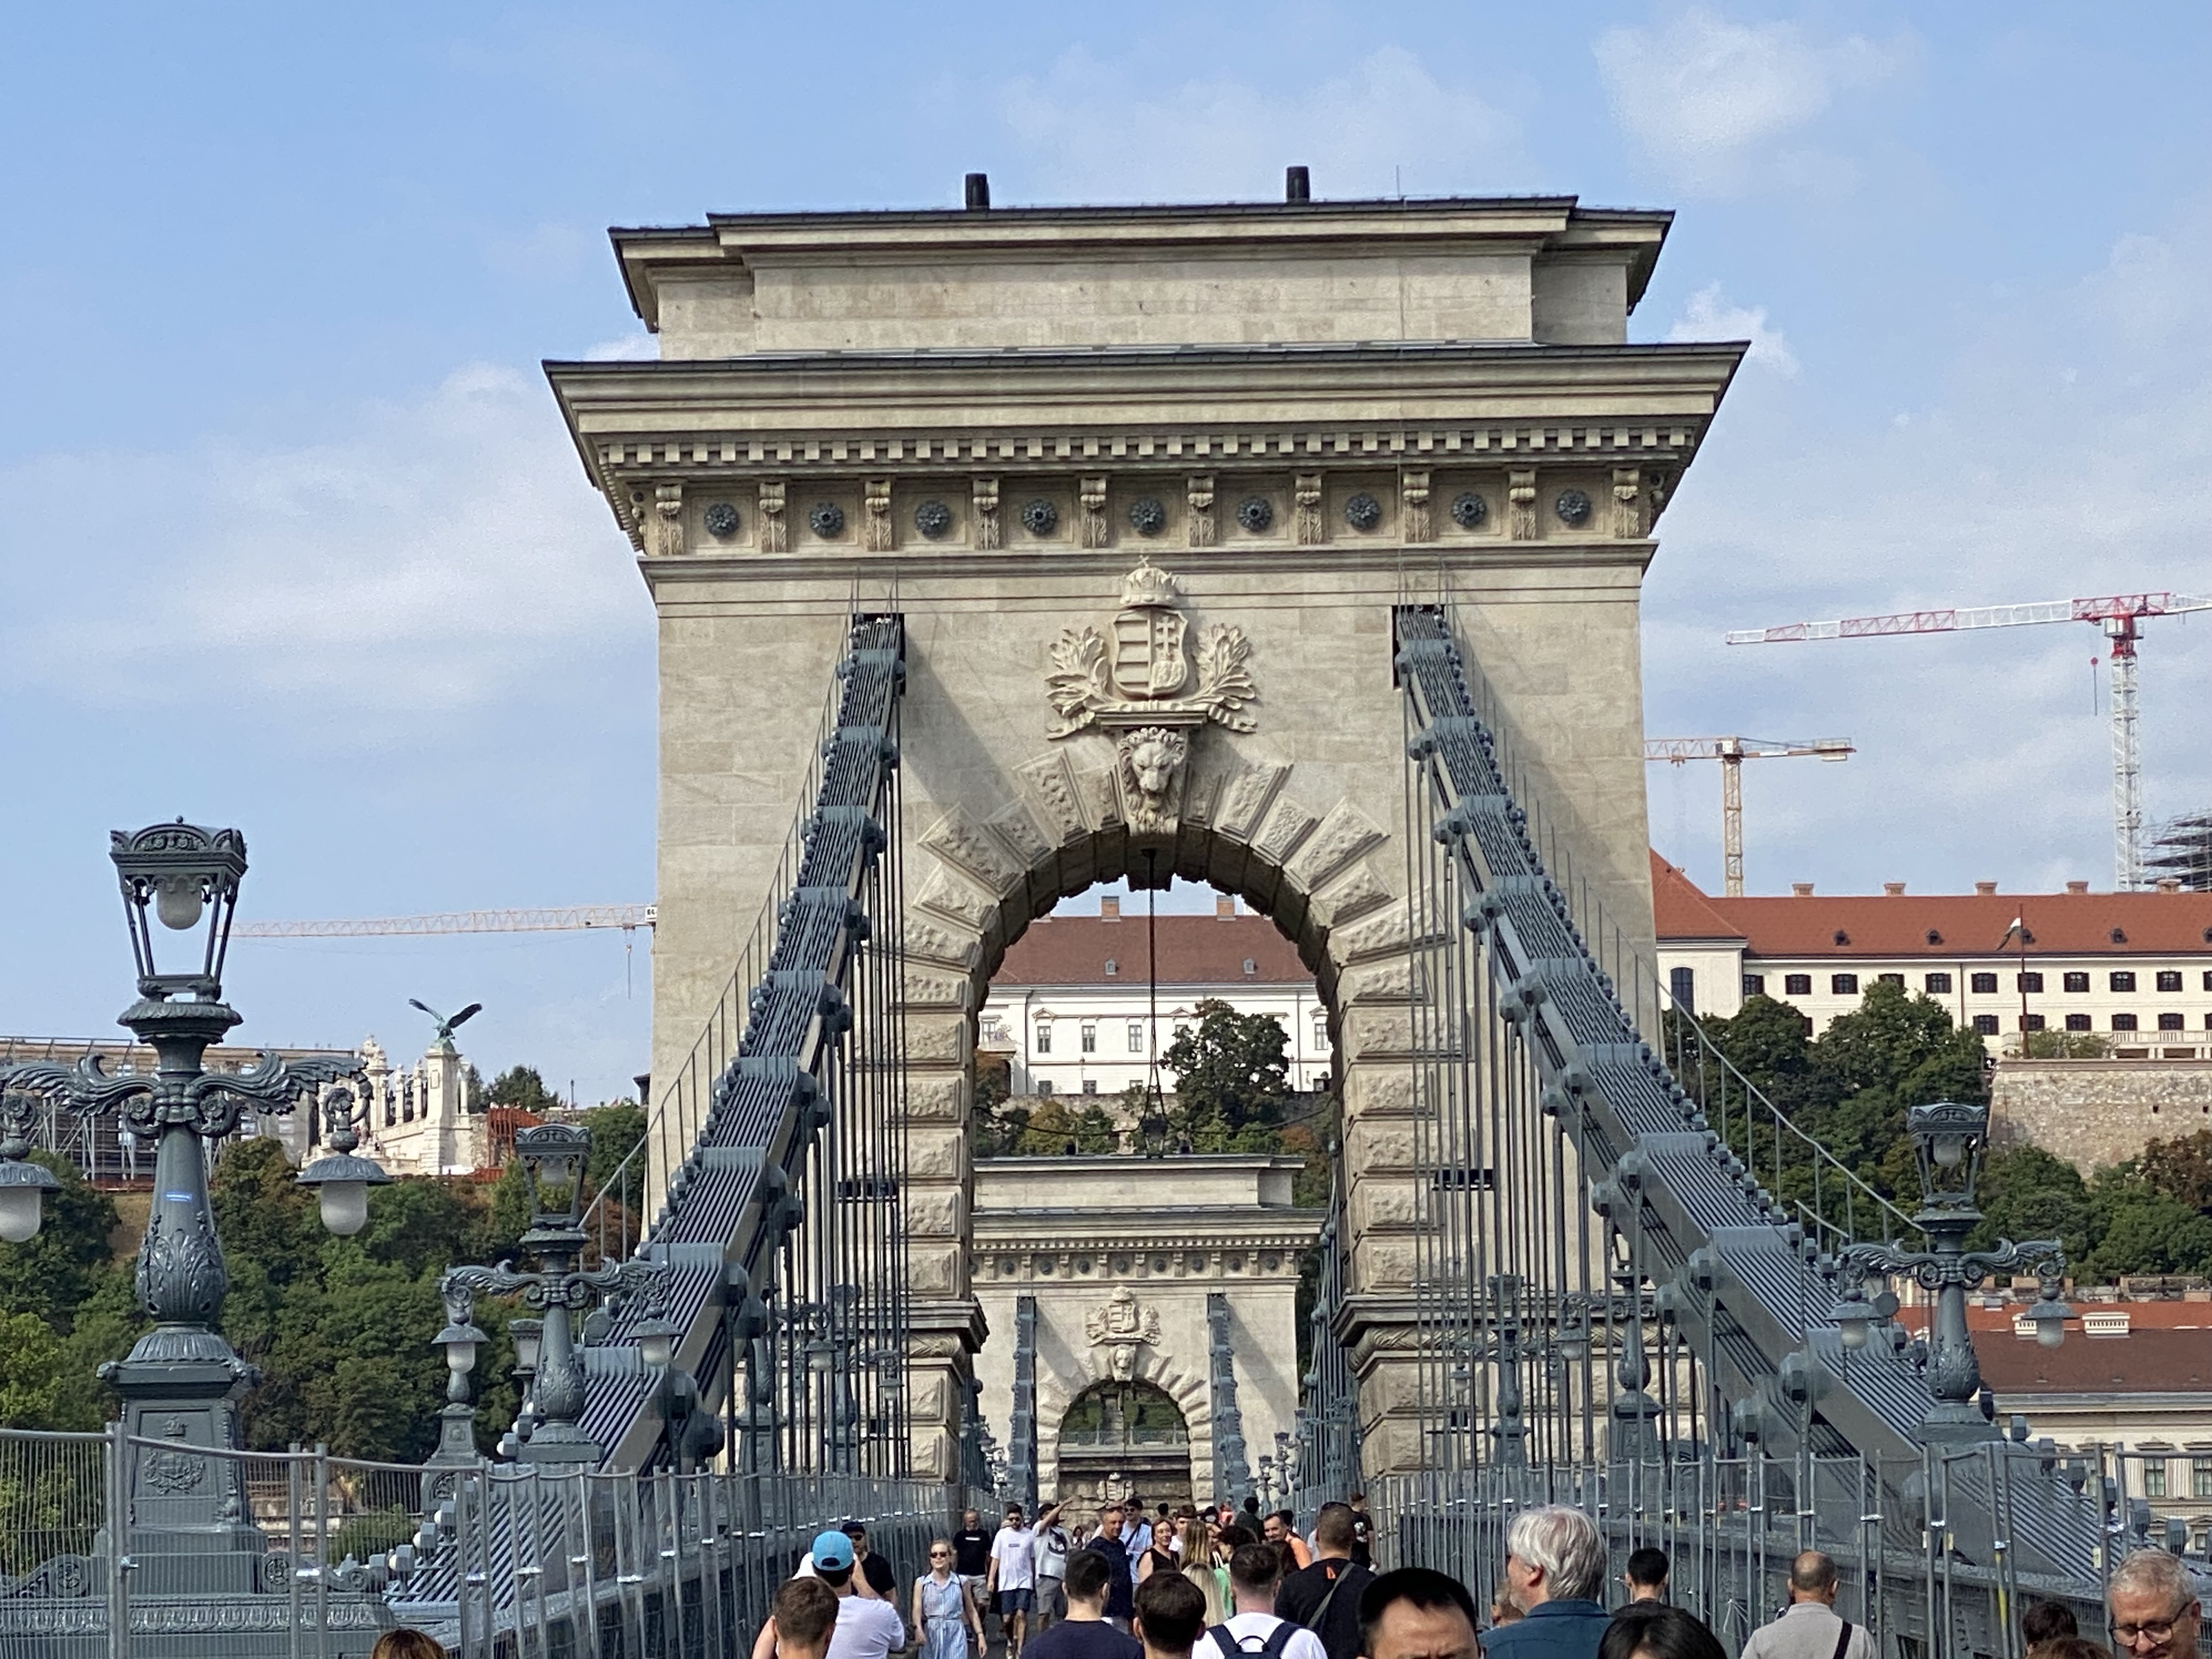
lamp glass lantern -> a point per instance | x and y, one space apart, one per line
526 1334
656 1342
1854 1317
2049 1312
185 878
1947 1141
552 1155
23 1188
460 1339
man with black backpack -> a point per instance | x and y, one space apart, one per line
1254 1631
1324 1598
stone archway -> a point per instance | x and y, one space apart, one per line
1121 1439
1308 413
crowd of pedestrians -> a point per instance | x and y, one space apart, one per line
1229 1583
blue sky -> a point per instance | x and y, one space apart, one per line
293 539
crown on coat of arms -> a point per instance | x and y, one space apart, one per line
1149 584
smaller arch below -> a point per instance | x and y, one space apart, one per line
1120 1438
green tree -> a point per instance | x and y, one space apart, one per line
2142 1232
53 1274
1055 1128
32 1375
2026 1194
1232 1080
2066 1045
616 1128
521 1086
2180 1168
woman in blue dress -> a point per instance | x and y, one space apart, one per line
943 1611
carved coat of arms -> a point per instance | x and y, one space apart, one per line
1144 691
1122 1327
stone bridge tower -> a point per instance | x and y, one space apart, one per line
1146 483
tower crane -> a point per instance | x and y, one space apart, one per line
561 919
2120 616
1732 753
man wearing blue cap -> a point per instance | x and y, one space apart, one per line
865 1628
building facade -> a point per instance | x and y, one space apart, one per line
1131 1398
1072 1009
2134 969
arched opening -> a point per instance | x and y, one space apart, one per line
1124 1439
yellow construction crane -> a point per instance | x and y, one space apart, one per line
1732 753
627 917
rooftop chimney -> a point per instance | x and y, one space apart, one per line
1894 889
1110 907
2169 884
1801 890
2077 886
1224 907
977 191
1985 888
1298 185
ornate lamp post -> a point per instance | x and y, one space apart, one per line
552 1156
181 1381
1948 1139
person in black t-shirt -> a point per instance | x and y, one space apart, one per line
1363 1532
971 1557
1325 1596
1085 1633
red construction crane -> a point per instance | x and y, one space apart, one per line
2118 614
1732 753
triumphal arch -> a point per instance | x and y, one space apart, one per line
1144 484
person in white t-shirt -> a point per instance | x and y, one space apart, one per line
865 1628
1254 1572
1012 1577
1050 1563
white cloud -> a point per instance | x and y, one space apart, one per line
441 553
1709 316
638 348
1092 133
1708 98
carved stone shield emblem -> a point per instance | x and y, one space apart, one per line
1149 659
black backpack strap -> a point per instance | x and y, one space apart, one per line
1322 1612
1224 1641
1278 1638
1843 1640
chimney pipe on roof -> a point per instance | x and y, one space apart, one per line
1801 890
1224 907
2169 884
977 191
1110 907
2077 886
1894 889
1985 888
1298 185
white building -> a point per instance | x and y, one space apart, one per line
2135 969
1071 1007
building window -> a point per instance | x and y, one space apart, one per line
1982 985
1844 985
2078 1022
2124 982
2200 1477
2030 1022
1113 967
1985 1024
1798 985
2154 1473
1250 968
1090 1085
2169 979
2027 982
2169 1021
1682 986
1754 985
1936 985
2076 981
2207 979
2124 1022
1089 1038
1897 980
1044 1085
1044 1037
1136 1036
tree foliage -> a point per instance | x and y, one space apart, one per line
522 1086
1055 1128
1232 1080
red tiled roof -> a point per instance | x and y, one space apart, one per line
1679 910
1193 951
2144 1362
1962 923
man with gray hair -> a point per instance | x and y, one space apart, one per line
2152 1597
1555 1572
1810 1627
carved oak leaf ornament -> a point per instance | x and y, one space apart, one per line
1224 681
1077 685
